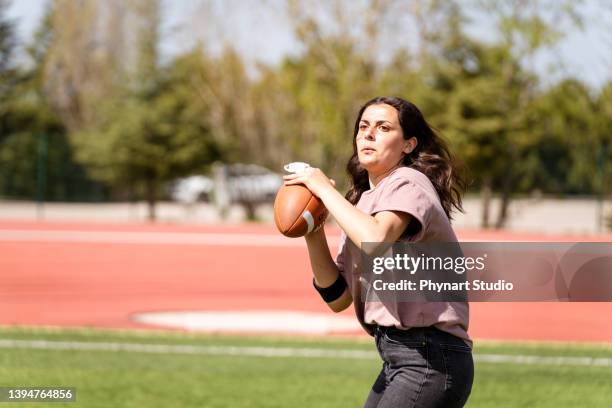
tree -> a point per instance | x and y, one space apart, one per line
524 27
157 130
479 93
563 120
477 121
7 71
87 57
7 74
141 146
603 126
311 100
36 158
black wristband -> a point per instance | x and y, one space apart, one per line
333 292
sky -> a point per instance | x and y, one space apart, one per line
267 37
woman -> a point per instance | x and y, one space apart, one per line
404 187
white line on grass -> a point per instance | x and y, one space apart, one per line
281 352
188 349
543 360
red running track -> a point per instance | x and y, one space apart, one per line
79 275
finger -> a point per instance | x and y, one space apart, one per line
292 182
333 182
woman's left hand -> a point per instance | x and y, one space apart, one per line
313 178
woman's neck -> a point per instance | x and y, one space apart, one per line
377 178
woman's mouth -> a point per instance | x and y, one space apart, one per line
368 150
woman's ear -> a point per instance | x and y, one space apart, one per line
410 145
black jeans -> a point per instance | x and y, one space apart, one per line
422 367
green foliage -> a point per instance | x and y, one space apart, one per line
509 162
147 140
136 124
36 158
7 74
34 144
562 122
603 126
21 154
326 101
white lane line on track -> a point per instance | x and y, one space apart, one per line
154 238
282 352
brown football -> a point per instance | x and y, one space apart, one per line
297 211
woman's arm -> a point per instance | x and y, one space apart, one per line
324 268
385 226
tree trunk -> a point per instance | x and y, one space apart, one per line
151 196
486 193
506 196
250 210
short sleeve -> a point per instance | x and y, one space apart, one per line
406 196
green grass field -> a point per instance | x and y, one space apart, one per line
171 378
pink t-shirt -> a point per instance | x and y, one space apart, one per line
410 191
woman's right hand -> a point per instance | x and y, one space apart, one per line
313 178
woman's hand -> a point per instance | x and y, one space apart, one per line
313 178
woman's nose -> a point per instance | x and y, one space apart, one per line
370 133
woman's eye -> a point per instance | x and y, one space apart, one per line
362 127
384 128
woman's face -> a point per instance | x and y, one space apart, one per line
380 140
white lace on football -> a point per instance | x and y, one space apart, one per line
296 167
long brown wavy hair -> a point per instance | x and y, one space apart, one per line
431 156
